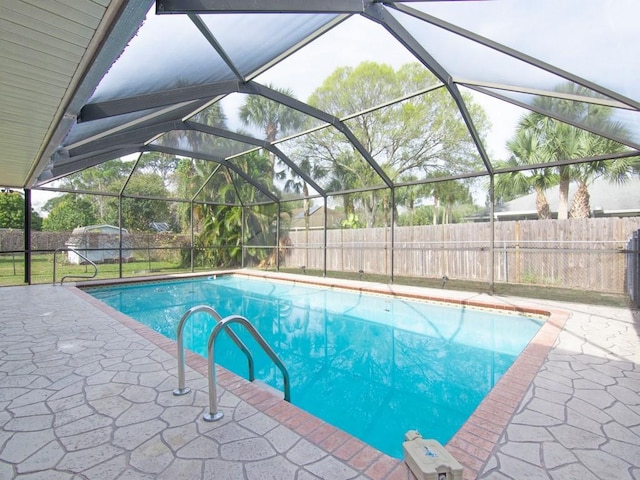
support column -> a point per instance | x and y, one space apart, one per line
191 246
120 234
242 238
278 239
324 267
393 228
27 236
492 239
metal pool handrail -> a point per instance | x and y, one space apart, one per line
71 249
214 414
182 389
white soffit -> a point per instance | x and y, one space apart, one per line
46 48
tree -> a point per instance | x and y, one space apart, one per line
274 118
67 212
160 163
526 150
562 141
107 177
447 194
410 139
223 224
11 209
138 213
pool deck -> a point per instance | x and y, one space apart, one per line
86 393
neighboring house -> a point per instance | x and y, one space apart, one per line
99 243
607 199
316 218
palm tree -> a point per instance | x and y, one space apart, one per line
526 150
273 117
298 185
616 171
562 141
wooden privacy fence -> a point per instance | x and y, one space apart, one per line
587 254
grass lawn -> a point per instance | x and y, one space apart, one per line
517 290
12 269
12 273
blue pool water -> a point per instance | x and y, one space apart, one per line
374 366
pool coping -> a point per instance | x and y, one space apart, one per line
472 444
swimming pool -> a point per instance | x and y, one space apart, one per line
372 365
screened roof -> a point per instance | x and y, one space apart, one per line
200 79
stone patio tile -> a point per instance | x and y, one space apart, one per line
304 475
132 436
29 423
330 468
604 465
599 398
21 445
84 424
31 397
623 415
576 419
199 447
551 395
281 438
625 395
554 455
553 385
576 438
89 439
573 471
182 470
249 449
548 408
526 433
44 458
228 433
81 460
528 452
259 423
138 413
535 419
109 470
618 432
178 437
139 394
276 468
381 467
304 452
222 470
627 451
518 469
152 457
176 416
126 377
52 475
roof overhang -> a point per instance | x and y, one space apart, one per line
54 56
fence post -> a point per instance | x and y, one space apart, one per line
636 256
633 268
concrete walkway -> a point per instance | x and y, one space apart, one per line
87 394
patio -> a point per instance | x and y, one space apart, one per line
86 393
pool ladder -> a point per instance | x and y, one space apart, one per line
223 324
71 249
